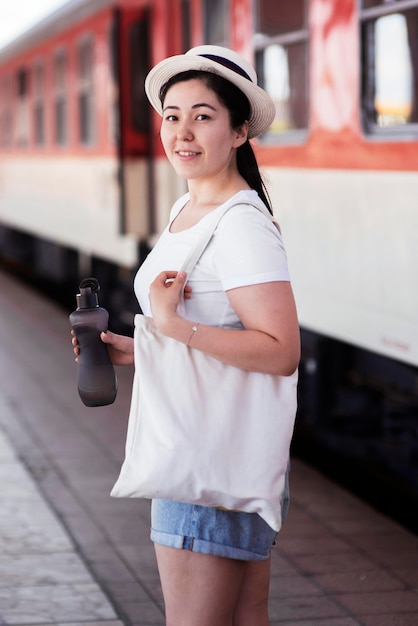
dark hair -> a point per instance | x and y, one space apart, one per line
239 112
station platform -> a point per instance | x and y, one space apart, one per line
70 554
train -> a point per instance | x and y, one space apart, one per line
85 190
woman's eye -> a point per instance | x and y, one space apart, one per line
202 116
171 118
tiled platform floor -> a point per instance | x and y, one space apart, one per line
70 554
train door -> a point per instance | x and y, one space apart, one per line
130 45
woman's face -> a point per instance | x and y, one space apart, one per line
196 132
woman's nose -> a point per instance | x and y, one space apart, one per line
184 131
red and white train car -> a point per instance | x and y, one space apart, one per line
85 187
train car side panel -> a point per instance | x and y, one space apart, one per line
352 241
71 202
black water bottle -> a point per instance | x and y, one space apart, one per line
96 379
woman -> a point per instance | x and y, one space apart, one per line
239 308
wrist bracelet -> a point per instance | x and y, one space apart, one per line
194 329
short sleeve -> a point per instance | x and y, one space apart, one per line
248 249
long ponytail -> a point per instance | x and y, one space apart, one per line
248 168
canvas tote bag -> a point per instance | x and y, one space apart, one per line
204 432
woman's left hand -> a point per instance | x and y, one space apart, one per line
165 294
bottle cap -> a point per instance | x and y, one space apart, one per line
88 298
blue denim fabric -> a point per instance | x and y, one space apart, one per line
232 534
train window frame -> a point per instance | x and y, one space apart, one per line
282 42
86 92
223 23
372 129
39 102
60 82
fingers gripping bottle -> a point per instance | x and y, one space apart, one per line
96 378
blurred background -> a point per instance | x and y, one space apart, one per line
85 189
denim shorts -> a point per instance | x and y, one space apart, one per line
231 534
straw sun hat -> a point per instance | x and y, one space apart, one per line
224 62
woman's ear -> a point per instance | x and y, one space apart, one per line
241 135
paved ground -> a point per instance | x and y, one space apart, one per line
70 554
43 579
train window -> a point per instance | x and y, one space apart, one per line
280 17
22 109
139 66
216 22
3 109
86 92
60 95
114 119
6 112
185 24
390 67
373 3
281 52
22 83
39 103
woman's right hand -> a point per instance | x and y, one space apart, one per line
119 347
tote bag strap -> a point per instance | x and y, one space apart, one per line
199 249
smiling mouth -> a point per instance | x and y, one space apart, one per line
184 153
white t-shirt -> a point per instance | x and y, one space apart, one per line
246 249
